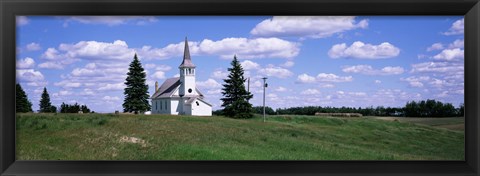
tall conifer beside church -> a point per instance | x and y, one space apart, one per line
179 95
136 92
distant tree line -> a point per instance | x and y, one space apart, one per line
424 108
75 108
24 105
428 108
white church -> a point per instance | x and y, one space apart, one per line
179 95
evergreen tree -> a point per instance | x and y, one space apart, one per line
235 97
21 100
136 92
45 104
461 110
53 108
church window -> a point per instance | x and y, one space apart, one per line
160 105
189 90
156 105
165 105
198 104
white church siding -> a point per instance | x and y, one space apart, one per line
202 109
174 107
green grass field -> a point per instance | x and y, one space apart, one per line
161 137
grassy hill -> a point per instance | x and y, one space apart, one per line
162 137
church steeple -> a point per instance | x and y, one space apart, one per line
187 74
187 61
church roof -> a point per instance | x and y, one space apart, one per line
187 61
167 88
192 99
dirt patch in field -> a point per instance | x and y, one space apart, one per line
133 140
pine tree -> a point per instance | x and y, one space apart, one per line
21 100
235 97
136 92
45 104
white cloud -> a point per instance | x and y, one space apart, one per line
38 84
120 51
214 92
456 28
281 89
100 75
51 65
378 81
250 48
330 77
149 66
442 94
64 92
51 54
438 67
306 26
304 78
273 97
275 72
163 68
87 91
288 64
219 74
33 47
249 65
359 94
22 20
87 71
158 75
25 63
109 98
414 81
459 43
29 75
369 70
435 46
327 85
111 20
208 84
421 56
118 86
310 92
438 83
361 50
450 54
68 84
93 50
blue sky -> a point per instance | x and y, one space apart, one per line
320 61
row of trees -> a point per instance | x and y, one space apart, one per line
24 105
75 108
428 108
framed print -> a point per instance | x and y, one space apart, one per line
253 87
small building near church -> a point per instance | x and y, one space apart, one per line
179 95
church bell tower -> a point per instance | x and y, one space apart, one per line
187 74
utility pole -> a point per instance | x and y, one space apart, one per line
264 86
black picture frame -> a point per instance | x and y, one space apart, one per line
10 8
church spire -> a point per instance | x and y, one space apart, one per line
187 61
